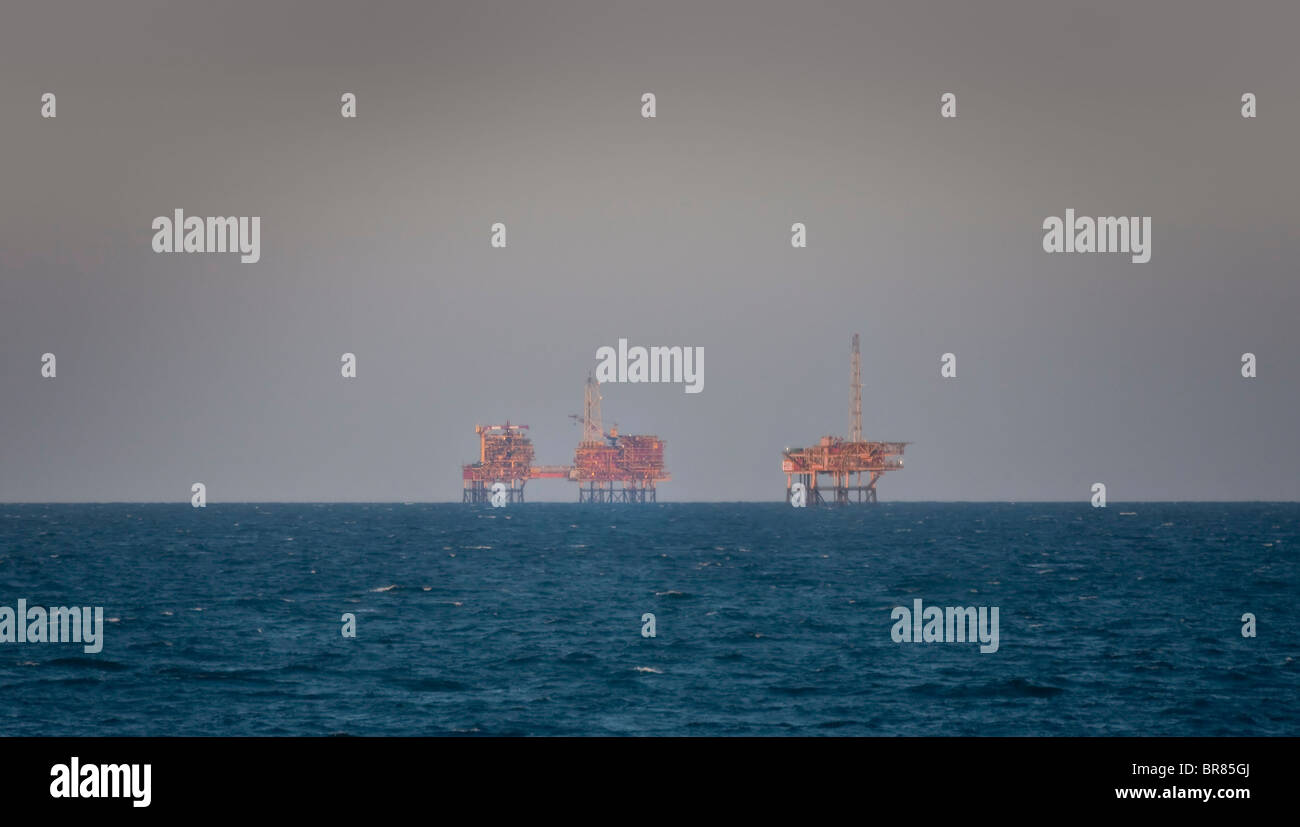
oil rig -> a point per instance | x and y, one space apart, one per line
505 455
845 461
614 468
608 466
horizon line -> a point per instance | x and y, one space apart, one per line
661 502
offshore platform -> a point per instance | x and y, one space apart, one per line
608 466
505 455
843 460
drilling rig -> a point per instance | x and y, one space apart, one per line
612 467
608 466
843 461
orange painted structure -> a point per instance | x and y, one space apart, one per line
608 466
844 461
505 455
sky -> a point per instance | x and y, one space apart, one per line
924 236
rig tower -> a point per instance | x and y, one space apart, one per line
844 461
855 392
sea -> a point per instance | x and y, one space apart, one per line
768 620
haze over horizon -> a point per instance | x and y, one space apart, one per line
924 236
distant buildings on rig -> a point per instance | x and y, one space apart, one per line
613 467
607 466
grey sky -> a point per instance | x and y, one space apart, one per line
924 236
